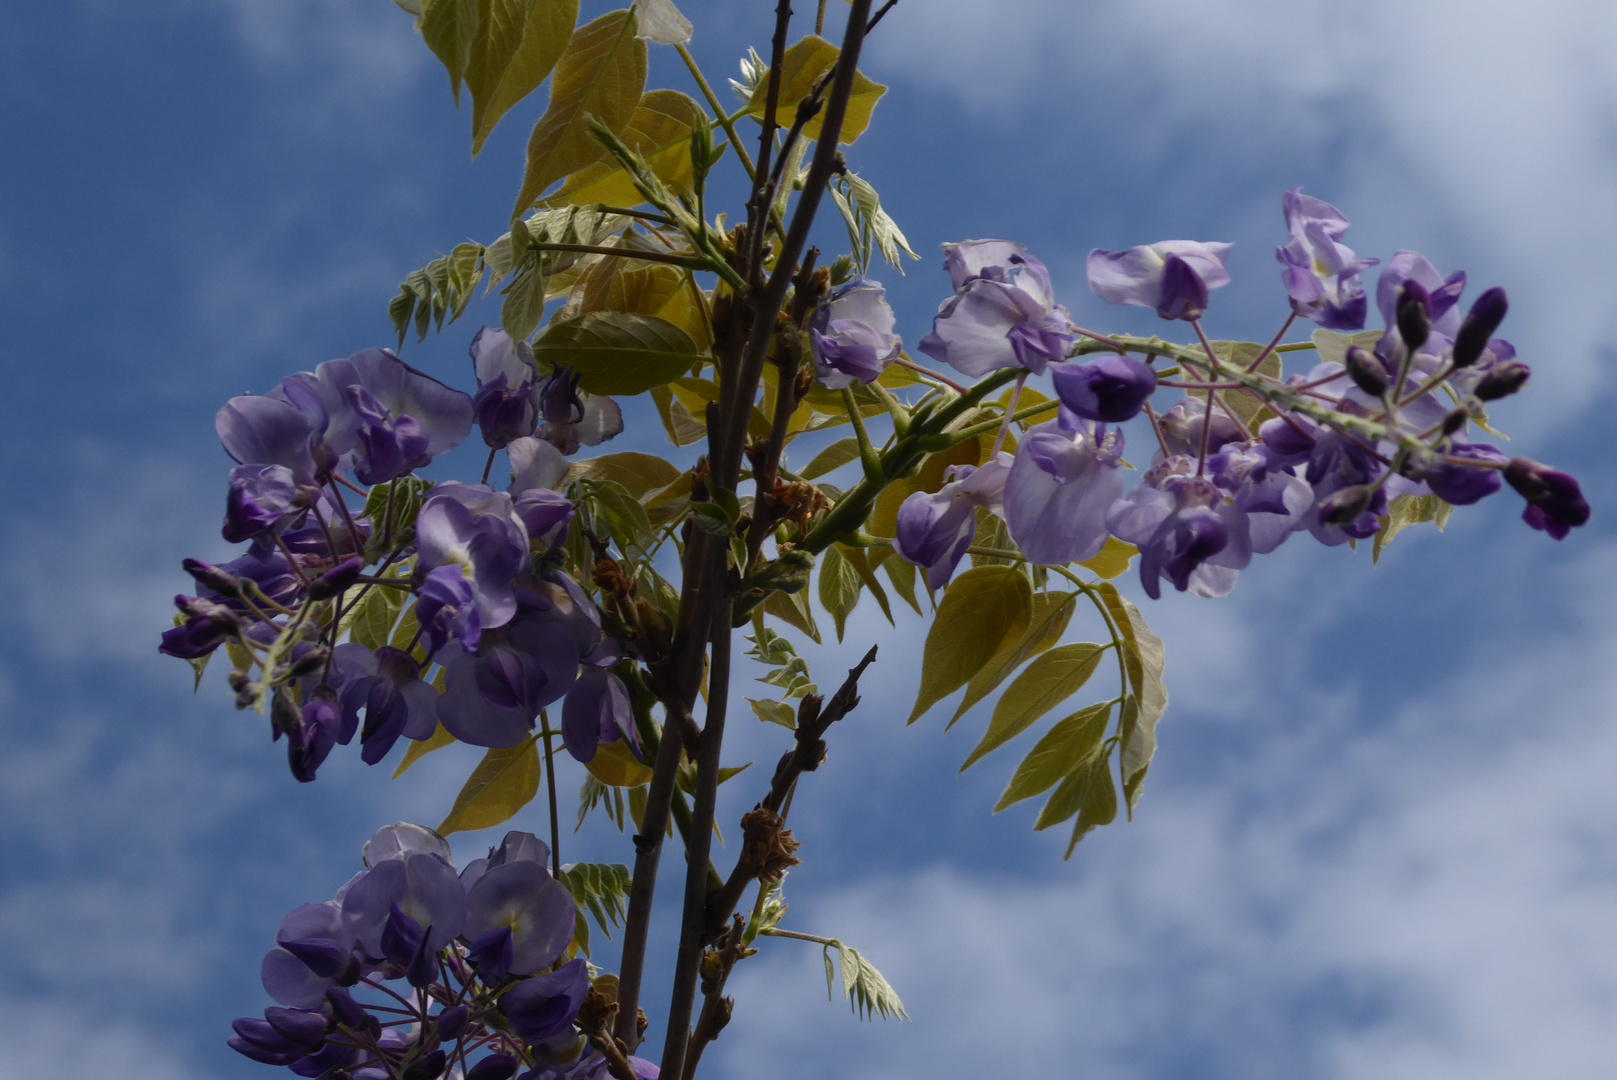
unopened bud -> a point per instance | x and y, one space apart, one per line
285 719
1455 421
1503 381
1414 315
1367 372
335 582
1344 507
307 664
1480 323
428 1068
239 681
211 577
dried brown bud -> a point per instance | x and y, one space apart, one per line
767 846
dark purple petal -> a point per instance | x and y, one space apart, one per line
544 1006
1555 502
1109 390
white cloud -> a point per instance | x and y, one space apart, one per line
1431 894
47 1040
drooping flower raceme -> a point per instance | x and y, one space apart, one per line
1173 276
1003 313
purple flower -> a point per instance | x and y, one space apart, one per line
311 950
537 468
401 840
1182 426
935 530
596 712
1274 499
268 431
1335 464
1321 274
1462 485
1173 276
1184 530
1110 389
506 405
1555 503
518 919
282 1037
206 626
261 497
573 418
851 335
477 530
1064 479
386 685
1003 313
446 610
492 697
398 899
385 447
544 1006
1441 299
319 728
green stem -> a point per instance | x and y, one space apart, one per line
867 453
725 121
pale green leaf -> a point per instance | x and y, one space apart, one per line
439 739
449 27
1068 745
860 560
1099 802
521 41
902 575
983 611
625 519
659 132
524 303
793 609
774 712
1402 512
639 474
601 74
832 458
1047 682
504 782
661 21
801 68
1332 347
1251 409
1143 659
375 615
1113 560
1076 790
617 353
840 586
1051 614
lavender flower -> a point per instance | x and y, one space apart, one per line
596 712
477 530
491 697
1063 480
261 498
518 919
1184 530
543 1007
1108 390
935 530
1003 313
387 686
1321 274
506 405
851 335
1173 276
573 418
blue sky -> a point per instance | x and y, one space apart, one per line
1378 839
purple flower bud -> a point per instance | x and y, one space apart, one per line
851 335
1503 380
1479 326
200 634
1109 390
493 1067
596 712
345 1010
1345 506
317 731
1173 276
1367 371
451 1022
335 582
1414 315
429 1067
1459 484
1442 294
329 1061
1555 503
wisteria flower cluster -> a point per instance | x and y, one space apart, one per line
376 604
417 971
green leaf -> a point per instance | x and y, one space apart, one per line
603 888
504 782
1113 560
1066 747
639 474
869 226
524 303
800 69
864 988
601 74
793 609
774 712
1051 614
623 515
840 586
859 559
439 739
832 458
1143 659
661 21
1404 511
659 131
520 42
683 428
449 27
984 610
374 617
902 575
1047 682
1077 790
1332 347
1098 803
617 353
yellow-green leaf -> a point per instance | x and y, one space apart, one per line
640 474
832 458
840 586
601 74
660 132
520 41
616 766
860 560
1087 791
504 782
983 611
614 352
800 69
1047 682
884 515
1251 410
1065 748
1143 659
1051 614
1403 512
662 22
1113 560
1332 347
774 712
449 27
902 575
793 610
439 739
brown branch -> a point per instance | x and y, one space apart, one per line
717 963
758 203
595 1022
805 756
